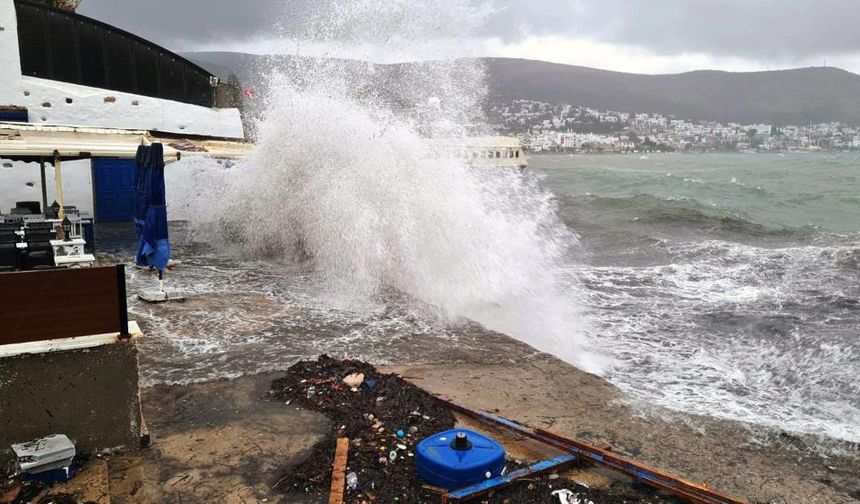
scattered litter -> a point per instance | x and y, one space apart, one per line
360 416
384 464
354 380
565 496
400 433
44 454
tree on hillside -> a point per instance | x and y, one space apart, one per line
69 5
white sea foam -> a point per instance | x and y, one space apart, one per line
734 332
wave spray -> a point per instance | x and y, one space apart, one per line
342 181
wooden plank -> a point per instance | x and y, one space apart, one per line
470 492
60 345
64 303
338 480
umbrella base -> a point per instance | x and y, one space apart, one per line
160 296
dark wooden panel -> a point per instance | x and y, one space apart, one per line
50 304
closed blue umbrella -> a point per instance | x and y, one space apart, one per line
150 219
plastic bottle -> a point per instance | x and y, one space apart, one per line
352 480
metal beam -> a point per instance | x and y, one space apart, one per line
470 492
28 141
698 493
58 185
44 186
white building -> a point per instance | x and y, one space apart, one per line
59 70
62 68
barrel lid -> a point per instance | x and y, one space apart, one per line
445 450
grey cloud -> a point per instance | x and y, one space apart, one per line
182 24
783 30
761 29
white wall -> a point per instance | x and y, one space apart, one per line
48 101
10 62
21 182
187 184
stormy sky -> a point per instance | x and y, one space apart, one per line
656 36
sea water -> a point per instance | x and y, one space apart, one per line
721 285
725 285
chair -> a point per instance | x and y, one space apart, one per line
39 255
9 226
8 236
39 235
39 225
33 207
10 259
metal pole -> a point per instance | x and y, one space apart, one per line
44 186
58 184
699 493
472 491
122 302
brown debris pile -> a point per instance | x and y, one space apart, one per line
370 415
370 408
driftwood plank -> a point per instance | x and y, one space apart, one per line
338 480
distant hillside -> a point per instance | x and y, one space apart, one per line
783 97
798 96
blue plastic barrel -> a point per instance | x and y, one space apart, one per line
458 457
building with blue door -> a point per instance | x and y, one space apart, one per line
116 89
113 189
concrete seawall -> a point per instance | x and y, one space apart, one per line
91 395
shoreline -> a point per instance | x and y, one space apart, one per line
691 152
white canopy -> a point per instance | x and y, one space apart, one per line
37 140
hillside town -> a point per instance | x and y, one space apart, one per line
549 127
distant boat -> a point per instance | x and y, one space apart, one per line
483 151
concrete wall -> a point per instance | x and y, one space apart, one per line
90 395
53 102
10 61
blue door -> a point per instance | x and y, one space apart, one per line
114 188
